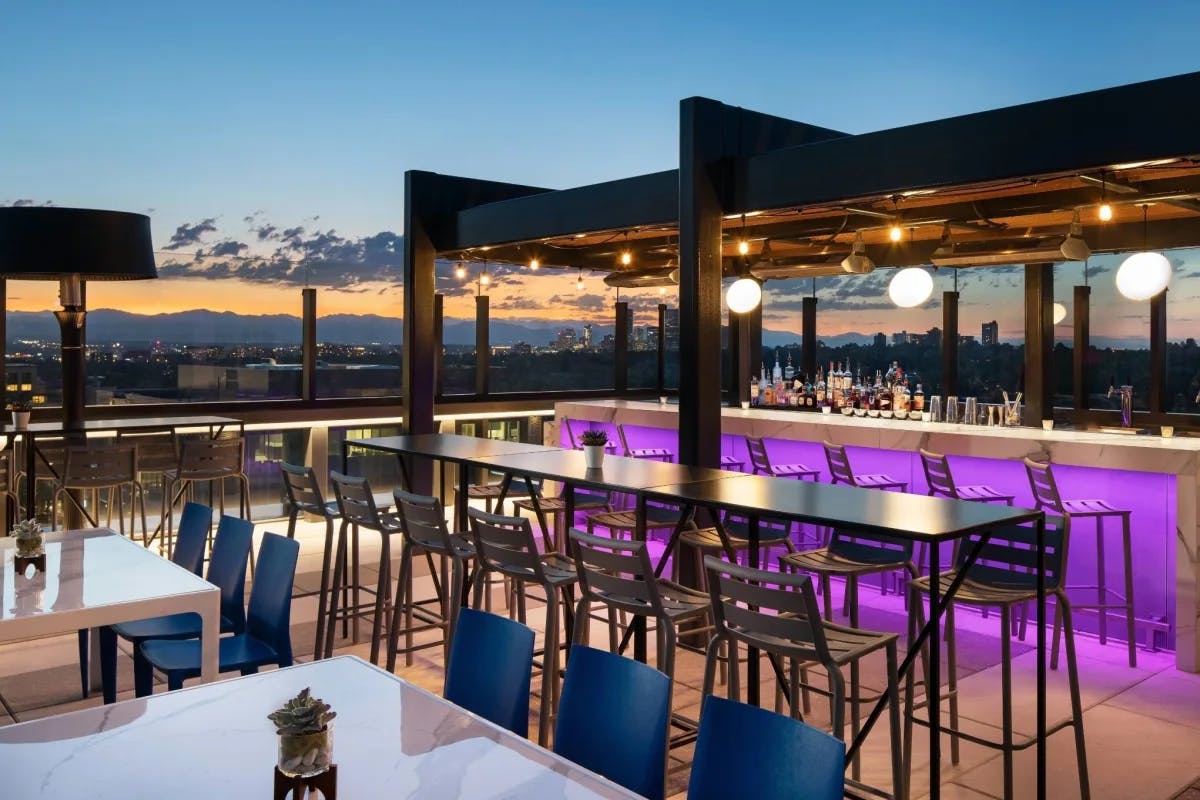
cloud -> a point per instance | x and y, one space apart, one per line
186 235
25 202
227 248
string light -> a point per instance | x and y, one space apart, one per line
662 290
579 281
460 271
484 277
895 233
743 247
534 263
626 258
1105 212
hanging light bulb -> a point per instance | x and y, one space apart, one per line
895 233
743 295
534 263
662 290
910 287
1104 212
579 282
743 247
1060 313
1143 275
484 277
626 258
460 271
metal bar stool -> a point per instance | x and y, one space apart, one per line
204 461
1003 576
303 496
761 463
540 506
778 615
423 524
53 452
618 575
658 517
157 452
12 503
111 468
505 545
651 453
359 510
1047 498
941 482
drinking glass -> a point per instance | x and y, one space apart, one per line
952 408
935 408
971 414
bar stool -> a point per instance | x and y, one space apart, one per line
358 510
12 503
732 540
52 452
650 453
423 522
941 482
112 468
490 493
761 463
556 507
505 545
1047 498
157 452
778 615
658 517
618 575
840 472
1004 577
212 461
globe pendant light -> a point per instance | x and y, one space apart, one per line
910 287
743 295
1143 275
1060 313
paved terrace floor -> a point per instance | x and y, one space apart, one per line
1142 725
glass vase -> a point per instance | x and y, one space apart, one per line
304 755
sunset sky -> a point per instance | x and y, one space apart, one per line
263 137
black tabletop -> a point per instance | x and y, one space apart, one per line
126 424
911 516
618 473
447 446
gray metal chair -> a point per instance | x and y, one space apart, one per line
778 614
303 496
211 461
505 545
110 468
1004 577
423 522
1047 497
761 464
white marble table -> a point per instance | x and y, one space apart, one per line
390 739
96 577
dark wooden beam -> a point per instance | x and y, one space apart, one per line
1019 141
701 180
308 367
439 342
1158 353
1079 355
949 344
621 348
808 337
483 346
1039 343
662 348
754 328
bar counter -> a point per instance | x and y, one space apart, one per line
1155 477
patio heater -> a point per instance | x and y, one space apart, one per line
73 245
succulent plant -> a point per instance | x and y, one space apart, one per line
594 438
302 714
28 535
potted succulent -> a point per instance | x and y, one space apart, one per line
594 442
305 736
28 534
20 413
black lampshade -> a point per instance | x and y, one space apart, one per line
45 243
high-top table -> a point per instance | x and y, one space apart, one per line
95 578
390 739
40 430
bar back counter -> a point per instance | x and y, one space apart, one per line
1155 478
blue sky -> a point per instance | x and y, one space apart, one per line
310 113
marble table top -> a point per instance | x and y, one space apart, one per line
390 739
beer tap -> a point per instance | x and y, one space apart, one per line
1126 393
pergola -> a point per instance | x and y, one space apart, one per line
994 187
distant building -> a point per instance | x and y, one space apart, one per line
587 335
933 337
880 341
608 344
991 333
900 338
522 349
671 329
966 338
271 380
566 339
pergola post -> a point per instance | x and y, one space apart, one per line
1083 324
621 348
420 345
308 367
808 337
483 345
701 153
1039 343
949 344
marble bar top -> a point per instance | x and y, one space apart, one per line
1086 448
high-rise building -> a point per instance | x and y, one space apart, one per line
671 329
880 341
566 339
587 334
991 333
900 338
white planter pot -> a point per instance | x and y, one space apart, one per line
20 419
593 455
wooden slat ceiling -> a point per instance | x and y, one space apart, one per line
1169 191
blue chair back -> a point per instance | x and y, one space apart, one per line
227 568
746 751
270 616
491 664
613 717
192 536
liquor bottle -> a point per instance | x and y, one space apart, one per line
754 391
809 394
789 372
885 398
768 394
847 380
919 399
777 373
900 398
762 376
819 397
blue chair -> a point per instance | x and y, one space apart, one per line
226 570
613 718
490 666
746 751
268 635
189 554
